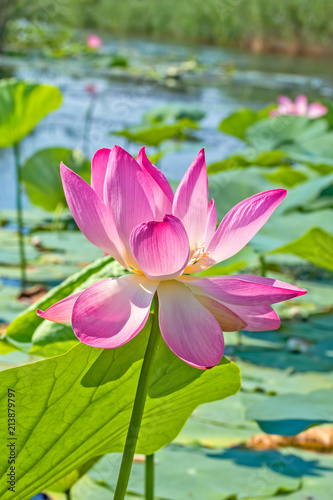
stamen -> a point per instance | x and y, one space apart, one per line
198 255
134 270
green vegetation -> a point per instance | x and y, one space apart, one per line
295 26
301 24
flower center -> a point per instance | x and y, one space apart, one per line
199 254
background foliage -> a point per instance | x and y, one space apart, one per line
296 26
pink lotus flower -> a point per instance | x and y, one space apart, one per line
300 107
94 42
90 88
131 213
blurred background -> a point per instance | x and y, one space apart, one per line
177 76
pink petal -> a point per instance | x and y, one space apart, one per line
111 312
191 201
241 223
127 192
211 223
161 249
187 327
301 105
163 194
99 164
93 218
228 320
244 289
315 110
61 312
257 318
94 41
285 101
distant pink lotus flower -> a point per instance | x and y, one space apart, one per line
300 107
90 88
131 213
94 42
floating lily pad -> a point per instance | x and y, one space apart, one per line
173 113
250 157
290 414
214 474
154 135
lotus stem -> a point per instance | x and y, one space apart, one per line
19 213
150 477
88 119
138 407
263 266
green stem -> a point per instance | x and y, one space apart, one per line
88 122
138 407
150 477
263 266
19 213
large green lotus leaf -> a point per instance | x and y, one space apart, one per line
238 122
289 414
154 135
280 131
288 227
22 106
74 407
315 246
41 175
203 474
23 327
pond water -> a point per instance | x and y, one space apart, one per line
223 80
